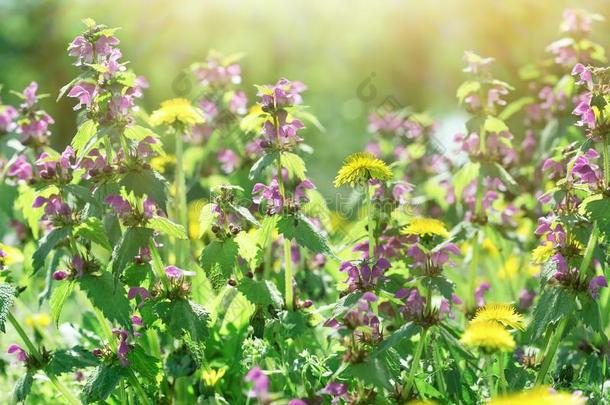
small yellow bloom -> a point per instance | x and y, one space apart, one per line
211 376
510 269
361 167
160 163
38 320
540 396
501 313
426 226
177 111
13 255
488 336
543 253
490 248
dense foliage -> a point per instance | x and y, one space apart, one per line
184 256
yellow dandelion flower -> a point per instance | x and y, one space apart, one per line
426 226
505 314
211 377
361 167
161 163
177 111
488 336
543 253
38 320
510 269
540 396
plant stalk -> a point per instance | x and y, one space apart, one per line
182 246
549 353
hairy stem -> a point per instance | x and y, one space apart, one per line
549 353
371 222
416 359
182 246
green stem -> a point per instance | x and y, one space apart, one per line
606 158
502 381
438 364
288 296
588 255
182 246
474 266
415 365
550 351
135 383
33 350
371 222
490 376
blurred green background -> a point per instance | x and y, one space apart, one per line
412 50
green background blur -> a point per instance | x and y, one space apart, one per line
412 50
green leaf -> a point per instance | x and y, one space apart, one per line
265 233
182 316
597 208
401 335
84 135
7 296
554 304
261 292
59 296
248 248
23 386
206 218
496 170
218 261
101 383
46 244
494 125
108 296
68 360
258 167
372 371
167 227
138 133
93 229
146 365
464 176
515 107
147 182
466 89
246 214
83 194
301 230
294 164
129 245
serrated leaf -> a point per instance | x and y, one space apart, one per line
265 233
294 164
494 125
167 227
182 316
265 160
147 182
554 304
303 232
128 247
464 176
138 133
101 383
68 360
146 365
22 388
218 261
59 296
93 229
84 135
206 218
7 296
83 194
248 249
245 213
48 243
109 296
261 292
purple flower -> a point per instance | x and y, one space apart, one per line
297 402
586 114
260 384
85 92
82 50
174 272
337 391
479 292
596 284
585 170
18 352
54 207
20 169
123 347
7 116
138 292
60 275
29 94
584 74
120 206
228 160
283 93
270 195
526 299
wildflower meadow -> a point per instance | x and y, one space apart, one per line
183 254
